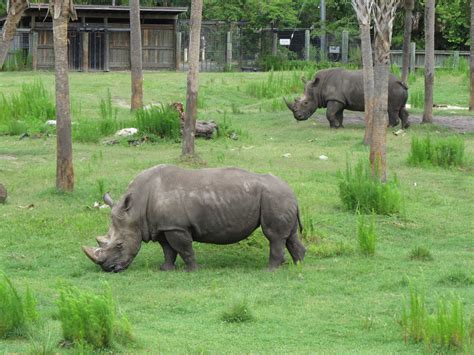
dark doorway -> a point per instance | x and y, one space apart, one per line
75 50
96 50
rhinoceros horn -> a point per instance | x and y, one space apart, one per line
108 200
290 106
94 254
102 240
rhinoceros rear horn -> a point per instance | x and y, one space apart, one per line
102 241
108 200
94 254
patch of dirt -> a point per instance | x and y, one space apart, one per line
461 124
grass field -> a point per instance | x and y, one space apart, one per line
338 301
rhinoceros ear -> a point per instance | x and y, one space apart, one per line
315 82
102 241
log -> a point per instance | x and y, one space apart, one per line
204 129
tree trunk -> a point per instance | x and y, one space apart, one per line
64 169
15 12
192 90
471 101
409 6
429 60
136 55
368 69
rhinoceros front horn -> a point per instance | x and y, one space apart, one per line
94 254
108 200
290 106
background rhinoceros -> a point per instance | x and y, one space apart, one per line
339 89
176 207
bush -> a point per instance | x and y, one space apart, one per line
359 190
441 331
88 318
366 235
15 314
238 313
444 152
162 121
421 253
26 111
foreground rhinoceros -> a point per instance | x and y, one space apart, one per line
175 207
339 89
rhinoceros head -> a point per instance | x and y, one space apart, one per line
307 104
121 244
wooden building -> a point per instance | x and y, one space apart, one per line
100 38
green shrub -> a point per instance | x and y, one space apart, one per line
362 191
88 318
444 152
86 131
416 98
108 116
366 235
26 111
395 70
444 330
15 313
162 121
421 253
239 312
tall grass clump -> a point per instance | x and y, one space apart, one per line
26 111
162 121
444 152
416 98
89 318
362 191
445 329
16 314
17 61
239 312
108 116
366 235
276 85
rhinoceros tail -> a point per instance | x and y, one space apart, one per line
299 220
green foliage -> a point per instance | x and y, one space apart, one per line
444 152
366 235
421 253
88 317
444 330
275 86
108 116
360 190
239 312
395 70
26 111
416 98
457 278
17 61
15 314
162 121
328 249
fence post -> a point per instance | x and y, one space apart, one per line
306 45
178 51
456 60
185 55
85 51
345 46
274 42
228 57
34 50
412 57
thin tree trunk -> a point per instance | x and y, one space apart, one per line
368 69
409 6
15 12
471 101
192 90
136 55
64 168
429 60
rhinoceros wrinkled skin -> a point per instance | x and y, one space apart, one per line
175 207
339 89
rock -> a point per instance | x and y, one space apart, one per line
286 155
323 157
126 132
3 193
51 122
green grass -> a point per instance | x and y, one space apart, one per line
439 151
337 302
366 235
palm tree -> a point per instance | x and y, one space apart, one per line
15 12
429 60
192 87
409 6
136 55
363 9
63 10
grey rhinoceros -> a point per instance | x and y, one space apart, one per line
176 207
339 89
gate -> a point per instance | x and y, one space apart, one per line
97 50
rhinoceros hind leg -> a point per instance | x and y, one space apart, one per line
170 257
182 242
404 117
295 247
277 253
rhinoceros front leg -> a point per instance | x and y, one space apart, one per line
182 242
170 256
334 114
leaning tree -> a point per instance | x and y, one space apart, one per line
192 86
429 60
15 12
384 15
62 10
136 55
363 9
